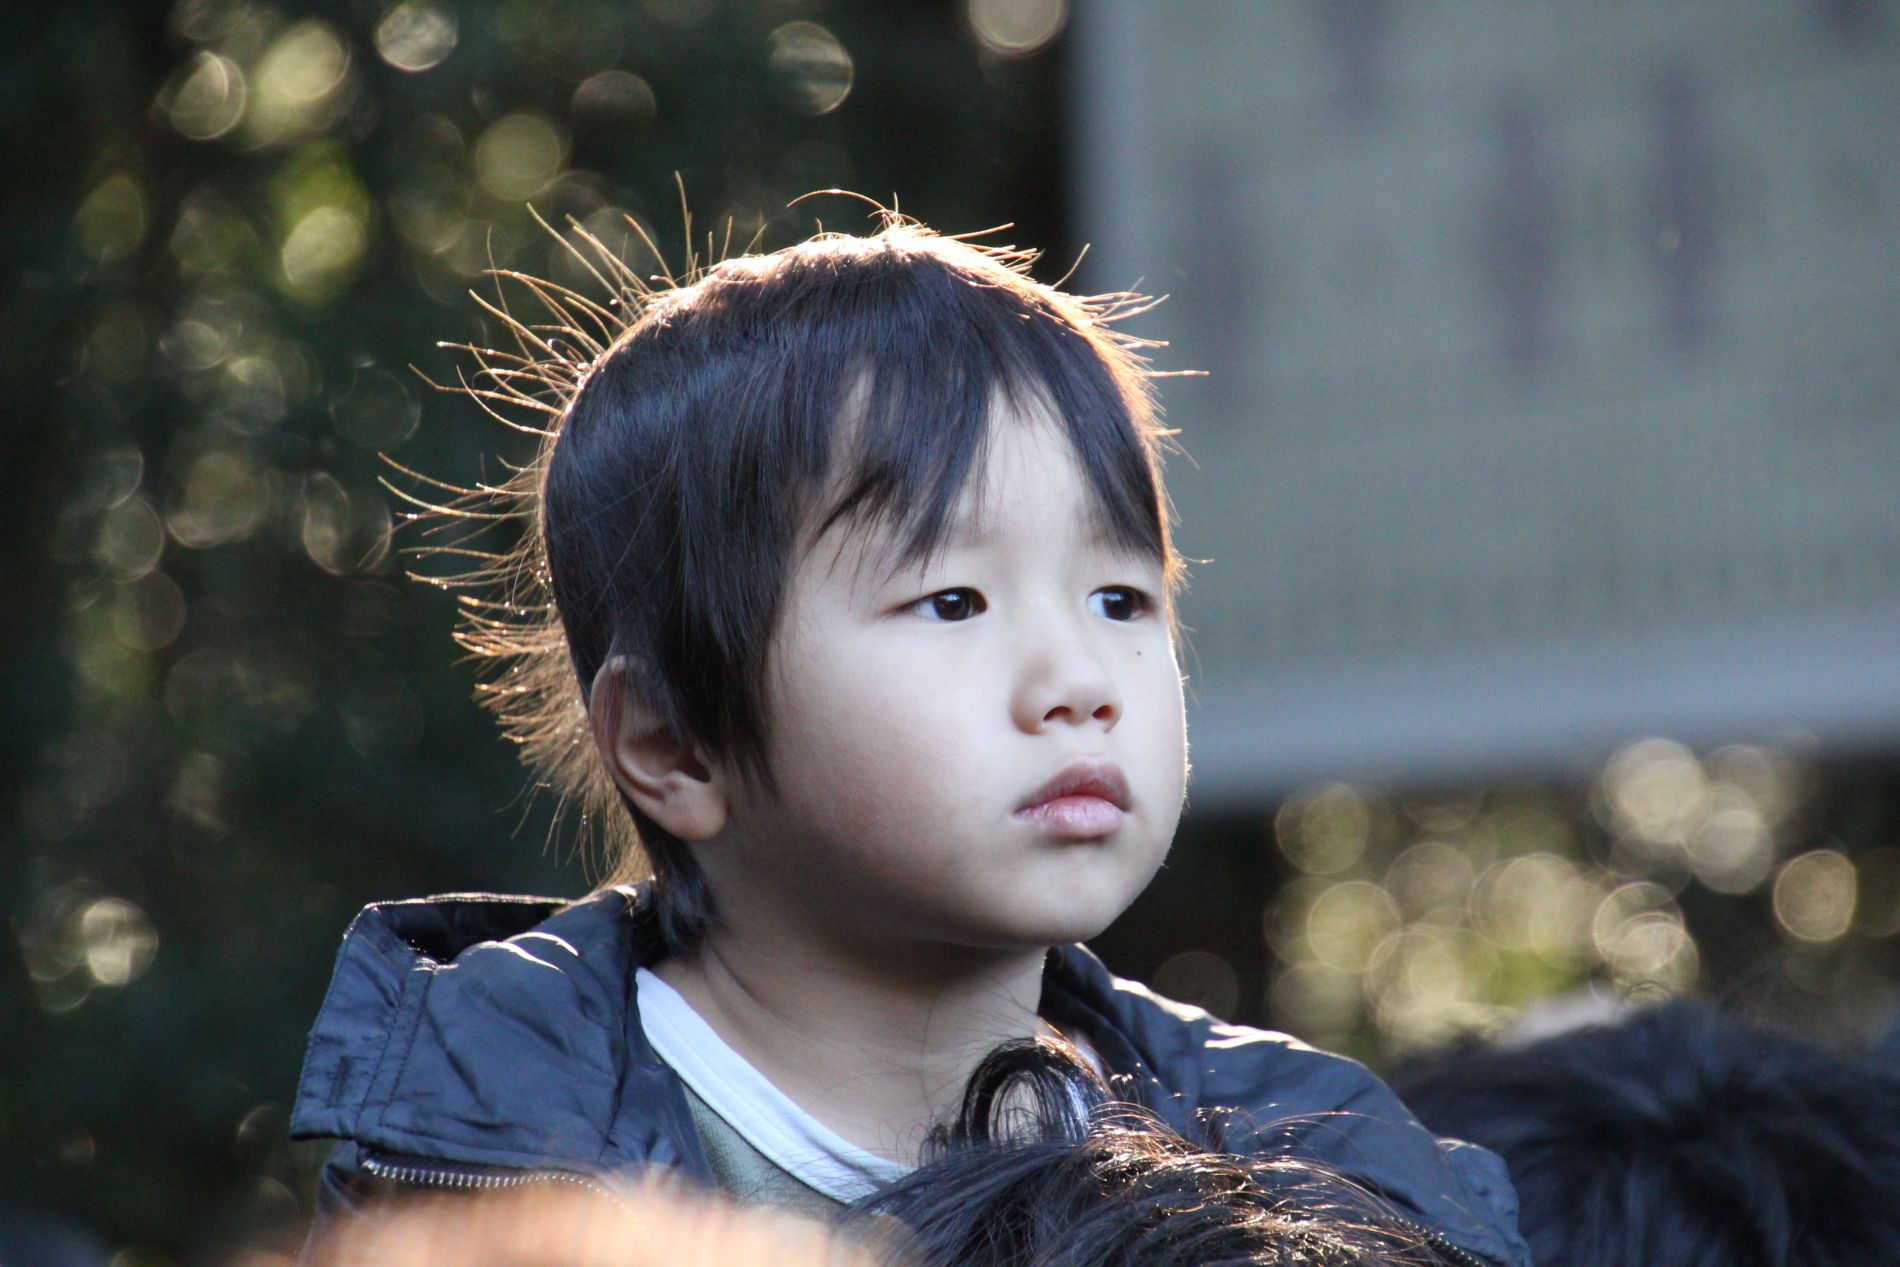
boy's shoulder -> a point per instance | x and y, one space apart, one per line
1276 1093
489 1030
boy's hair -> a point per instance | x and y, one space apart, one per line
704 430
1043 1169
1681 1138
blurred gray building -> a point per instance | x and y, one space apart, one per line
1552 390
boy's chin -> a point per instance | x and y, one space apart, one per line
1060 924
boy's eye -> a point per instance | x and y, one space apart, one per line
1118 602
953 604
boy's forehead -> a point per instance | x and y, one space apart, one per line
873 548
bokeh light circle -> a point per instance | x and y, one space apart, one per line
119 941
148 614
1016 28
812 65
110 224
206 98
518 155
1815 895
1732 850
131 538
614 97
1346 922
322 251
378 411
416 36
1324 829
1654 788
296 85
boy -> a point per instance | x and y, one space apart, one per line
860 558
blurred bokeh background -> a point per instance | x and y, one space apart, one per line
1549 637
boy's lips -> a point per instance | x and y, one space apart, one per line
1088 799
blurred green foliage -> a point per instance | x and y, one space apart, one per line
1385 923
233 227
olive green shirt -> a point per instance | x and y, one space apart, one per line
748 1174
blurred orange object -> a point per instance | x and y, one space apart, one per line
554 1225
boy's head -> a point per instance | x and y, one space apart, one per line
816 522
1043 1166
1681 1138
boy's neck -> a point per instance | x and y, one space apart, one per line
876 1046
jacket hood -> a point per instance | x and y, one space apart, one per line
494 1031
505 1031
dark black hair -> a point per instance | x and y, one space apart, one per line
1681 1138
1042 1168
703 432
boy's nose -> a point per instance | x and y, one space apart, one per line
1065 682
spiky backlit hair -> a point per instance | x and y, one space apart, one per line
690 444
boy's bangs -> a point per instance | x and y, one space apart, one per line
917 423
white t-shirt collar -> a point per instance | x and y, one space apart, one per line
768 1119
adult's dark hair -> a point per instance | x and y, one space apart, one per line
1043 1169
701 434
1681 1138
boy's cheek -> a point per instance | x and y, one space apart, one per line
860 766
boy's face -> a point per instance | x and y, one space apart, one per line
988 750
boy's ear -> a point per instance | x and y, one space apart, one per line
660 772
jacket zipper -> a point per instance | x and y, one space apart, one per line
417 1173
1457 1254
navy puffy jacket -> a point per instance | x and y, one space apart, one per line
468 1040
